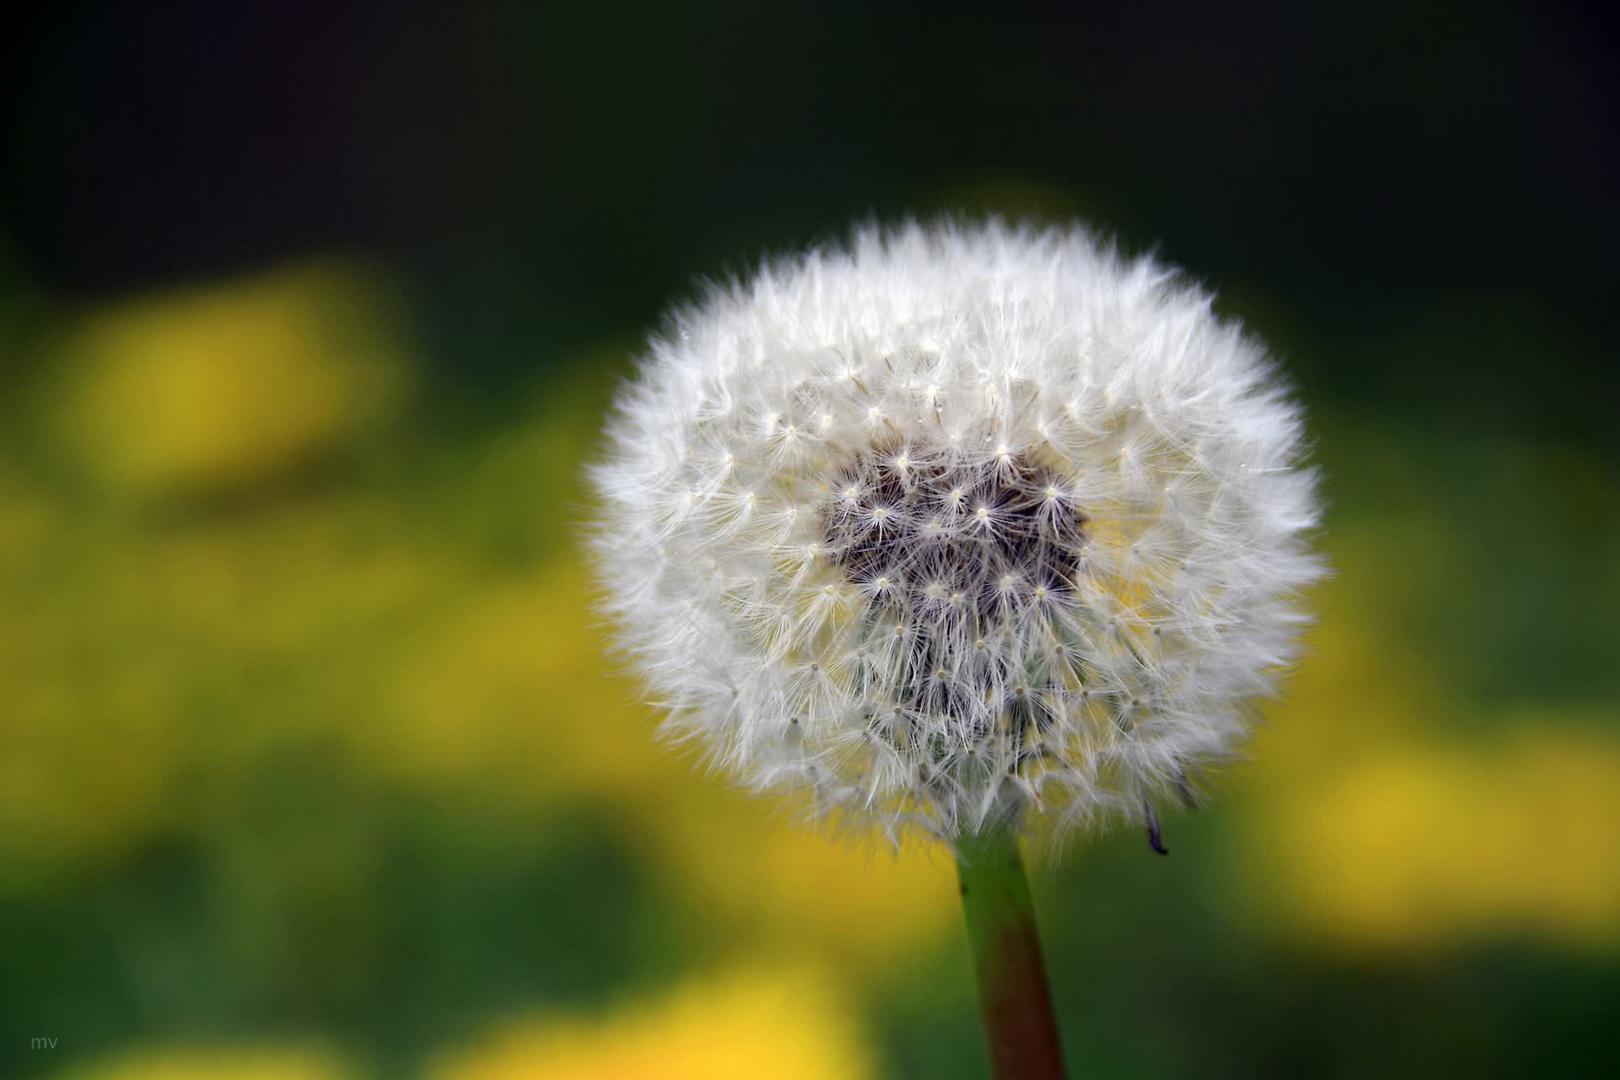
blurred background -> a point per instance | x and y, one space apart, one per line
310 766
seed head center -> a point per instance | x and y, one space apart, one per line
955 541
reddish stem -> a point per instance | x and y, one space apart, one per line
1014 998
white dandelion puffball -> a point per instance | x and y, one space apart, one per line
959 523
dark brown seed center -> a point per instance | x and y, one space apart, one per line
975 543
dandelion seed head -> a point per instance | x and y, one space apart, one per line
994 521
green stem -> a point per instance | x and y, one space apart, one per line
1013 996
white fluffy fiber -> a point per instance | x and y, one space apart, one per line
957 521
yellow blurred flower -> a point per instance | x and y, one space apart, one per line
509 696
215 388
798 887
1368 827
791 1024
512 701
1425 844
115 641
249 1063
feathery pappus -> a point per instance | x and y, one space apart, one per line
958 522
